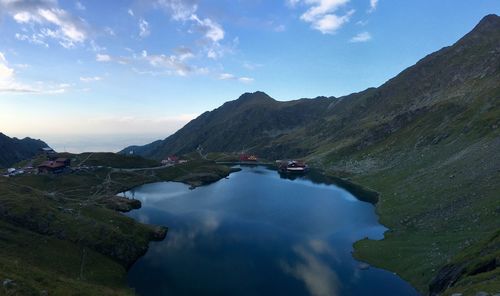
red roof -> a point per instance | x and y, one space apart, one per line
51 165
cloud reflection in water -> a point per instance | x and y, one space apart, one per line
319 278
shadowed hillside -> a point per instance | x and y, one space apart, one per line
13 150
247 123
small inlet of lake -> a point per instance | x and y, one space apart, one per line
256 233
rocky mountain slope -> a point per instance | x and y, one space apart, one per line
13 150
427 140
245 124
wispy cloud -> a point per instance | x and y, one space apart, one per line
180 10
211 30
10 84
361 37
175 63
80 6
373 5
103 57
6 73
46 20
144 28
186 11
292 3
90 79
323 14
251 66
229 76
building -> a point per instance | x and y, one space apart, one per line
247 157
54 166
170 160
65 161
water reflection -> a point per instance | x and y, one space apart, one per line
319 277
258 234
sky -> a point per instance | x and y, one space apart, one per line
101 75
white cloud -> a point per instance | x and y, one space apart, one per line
46 20
80 6
144 28
184 53
362 23
7 79
102 57
361 37
208 40
373 5
6 73
180 10
226 76
292 3
90 79
22 66
9 83
246 79
330 23
229 76
185 11
212 30
109 31
251 66
280 28
322 14
35 38
320 8
171 62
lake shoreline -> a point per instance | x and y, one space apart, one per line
250 177
317 175
159 232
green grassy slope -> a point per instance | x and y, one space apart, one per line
247 123
59 233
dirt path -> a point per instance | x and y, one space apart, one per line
83 161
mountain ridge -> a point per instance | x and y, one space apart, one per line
13 150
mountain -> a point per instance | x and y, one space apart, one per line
13 150
245 124
426 140
255 122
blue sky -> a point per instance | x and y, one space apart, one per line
141 69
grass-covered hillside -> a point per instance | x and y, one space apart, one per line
62 234
240 125
426 140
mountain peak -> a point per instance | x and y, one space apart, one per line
489 23
490 19
257 96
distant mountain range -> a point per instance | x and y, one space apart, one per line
13 150
428 140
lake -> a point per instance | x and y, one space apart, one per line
256 233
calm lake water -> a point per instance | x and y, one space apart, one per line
255 233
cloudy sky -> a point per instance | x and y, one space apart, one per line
76 72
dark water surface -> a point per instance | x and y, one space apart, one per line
258 234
